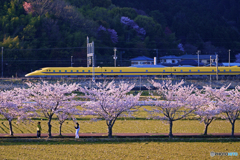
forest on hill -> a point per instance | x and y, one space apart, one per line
41 33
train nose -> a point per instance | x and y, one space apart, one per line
30 74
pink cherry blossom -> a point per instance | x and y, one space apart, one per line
228 102
173 102
208 112
13 106
27 7
109 101
54 99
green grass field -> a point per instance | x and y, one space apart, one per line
132 149
105 149
138 125
123 126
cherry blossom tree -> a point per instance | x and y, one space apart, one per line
127 21
207 113
111 32
228 102
53 98
27 7
173 102
40 7
64 114
180 47
237 56
113 35
12 106
62 117
108 101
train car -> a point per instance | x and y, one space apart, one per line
205 70
135 71
132 71
65 72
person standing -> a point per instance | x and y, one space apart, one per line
39 129
77 130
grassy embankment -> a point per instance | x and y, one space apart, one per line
116 149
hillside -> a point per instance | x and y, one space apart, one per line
39 33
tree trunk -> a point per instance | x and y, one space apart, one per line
170 129
109 131
205 130
60 129
10 128
233 124
49 127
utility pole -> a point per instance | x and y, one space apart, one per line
90 54
2 62
229 57
210 61
157 55
198 56
71 61
93 63
115 56
217 67
210 66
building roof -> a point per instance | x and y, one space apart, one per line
142 58
170 64
148 66
170 57
186 56
219 64
231 64
190 62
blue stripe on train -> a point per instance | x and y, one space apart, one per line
127 72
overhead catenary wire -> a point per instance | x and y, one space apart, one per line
119 48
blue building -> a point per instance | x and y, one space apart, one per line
142 60
192 59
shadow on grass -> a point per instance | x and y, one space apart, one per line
119 119
63 141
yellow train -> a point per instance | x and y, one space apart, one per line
131 71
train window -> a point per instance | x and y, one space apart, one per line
53 70
146 70
120 70
65 70
71 70
212 70
181 70
229 70
77 70
174 69
105 70
59 70
88 70
49 70
218 70
82 70
111 70
163 70
189 70
198 70
224 71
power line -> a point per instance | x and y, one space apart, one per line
43 49
119 48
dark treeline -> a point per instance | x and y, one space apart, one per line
41 33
